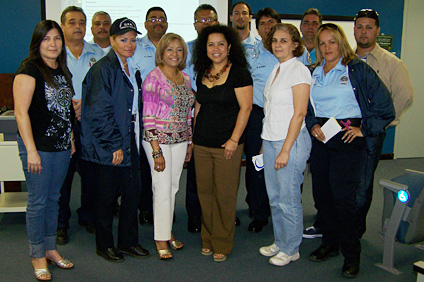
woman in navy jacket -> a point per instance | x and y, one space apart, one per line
348 90
111 107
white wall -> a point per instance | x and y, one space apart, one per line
409 141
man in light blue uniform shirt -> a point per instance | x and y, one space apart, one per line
80 57
261 63
309 24
100 27
205 15
144 56
156 25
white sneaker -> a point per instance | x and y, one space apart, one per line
282 259
269 251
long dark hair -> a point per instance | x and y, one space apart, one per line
237 55
40 31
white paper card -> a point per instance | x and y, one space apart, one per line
330 128
258 162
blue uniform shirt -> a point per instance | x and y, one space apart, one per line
307 58
333 94
144 56
189 65
132 68
260 68
249 45
79 68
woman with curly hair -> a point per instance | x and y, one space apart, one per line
223 105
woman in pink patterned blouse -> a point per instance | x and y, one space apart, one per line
167 102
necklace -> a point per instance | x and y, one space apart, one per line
212 77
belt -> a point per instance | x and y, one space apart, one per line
133 117
356 122
257 107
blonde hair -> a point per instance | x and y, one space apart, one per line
164 43
339 36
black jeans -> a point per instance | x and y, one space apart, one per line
365 191
109 179
192 203
86 172
336 169
257 197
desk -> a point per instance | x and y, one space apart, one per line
11 170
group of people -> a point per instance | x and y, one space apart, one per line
127 122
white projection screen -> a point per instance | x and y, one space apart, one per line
179 12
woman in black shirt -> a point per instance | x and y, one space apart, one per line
223 105
42 91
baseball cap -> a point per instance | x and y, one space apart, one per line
122 26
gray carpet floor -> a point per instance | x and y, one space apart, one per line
244 264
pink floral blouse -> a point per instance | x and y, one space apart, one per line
166 108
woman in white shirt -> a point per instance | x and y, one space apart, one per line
286 142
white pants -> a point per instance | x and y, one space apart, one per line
165 185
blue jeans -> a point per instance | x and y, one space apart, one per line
43 197
283 187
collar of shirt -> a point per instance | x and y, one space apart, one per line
250 41
87 49
146 43
320 69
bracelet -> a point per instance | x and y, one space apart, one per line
189 142
157 153
234 140
73 139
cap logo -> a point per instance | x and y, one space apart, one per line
127 24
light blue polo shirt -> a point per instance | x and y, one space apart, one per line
105 50
307 58
144 56
260 68
189 65
132 68
79 68
249 45
332 94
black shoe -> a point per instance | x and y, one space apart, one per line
62 236
350 267
137 251
194 226
146 217
89 226
323 253
257 225
238 222
110 254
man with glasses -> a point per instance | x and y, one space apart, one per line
156 25
394 75
205 15
261 65
309 24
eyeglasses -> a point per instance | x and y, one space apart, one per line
329 26
205 20
154 19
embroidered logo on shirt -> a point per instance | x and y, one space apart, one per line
343 80
92 61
